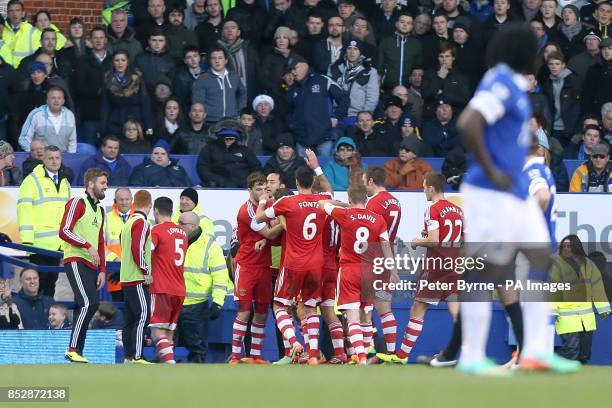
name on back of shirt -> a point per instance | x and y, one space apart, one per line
390 202
366 217
179 231
309 204
450 209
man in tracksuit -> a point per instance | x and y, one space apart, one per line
82 228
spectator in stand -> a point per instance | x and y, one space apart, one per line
252 138
412 135
530 9
195 14
541 65
358 78
571 32
274 63
10 175
480 9
60 64
594 175
598 85
603 18
285 161
88 85
282 13
51 122
268 124
37 154
154 19
346 166
8 79
441 132
177 35
606 118
470 58
29 95
578 137
9 314
78 43
548 16
187 76
310 119
110 161
580 63
42 21
209 31
132 140
384 19
220 90
563 95
225 162
32 303
195 135
397 55
591 136
54 79
121 37
539 103
251 19
414 92
391 127
328 52
445 82
406 171
156 62
242 56
310 41
432 41
159 170
359 31
18 32
348 13
500 18
168 125
58 317
124 97
368 138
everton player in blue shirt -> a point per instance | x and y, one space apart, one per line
500 216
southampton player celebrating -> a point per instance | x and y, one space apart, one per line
381 202
443 233
168 246
252 273
495 126
364 236
301 271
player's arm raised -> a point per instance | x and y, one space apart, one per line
471 124
313 163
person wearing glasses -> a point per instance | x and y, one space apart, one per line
595 174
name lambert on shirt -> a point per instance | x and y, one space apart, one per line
390 202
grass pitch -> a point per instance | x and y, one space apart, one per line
246 386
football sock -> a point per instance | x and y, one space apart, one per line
285 325
238 332
366 329
356 339
476 319
536 316
257 339
313 325
164 349
389 328
337 337
413 330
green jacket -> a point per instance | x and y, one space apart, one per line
397 56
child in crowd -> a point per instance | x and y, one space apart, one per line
58 317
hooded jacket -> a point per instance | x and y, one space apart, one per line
563 97
127 43
223 95
155 66
337 173
363 90
397 56
149 174
221 166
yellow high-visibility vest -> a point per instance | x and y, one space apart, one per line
61 39
20 42
205 223
40 207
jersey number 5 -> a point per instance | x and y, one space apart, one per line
179 251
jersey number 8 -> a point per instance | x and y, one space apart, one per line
361 244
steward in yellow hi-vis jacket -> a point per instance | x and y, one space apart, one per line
206 280
189 202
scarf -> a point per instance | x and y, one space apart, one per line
121 81
571 31
286 164
283 51
597 182
232 51
350 73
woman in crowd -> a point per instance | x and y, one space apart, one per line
159 170
269 124
124 97
77 42
42 21
168 125
132 140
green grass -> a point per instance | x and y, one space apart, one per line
245 386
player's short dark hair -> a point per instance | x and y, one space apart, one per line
255 178
282 192
163 205
217 49
357 193
47 30
304 177
377 174
93 174
516 46
435 180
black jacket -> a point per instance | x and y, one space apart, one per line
597 87
138 147
208 35
155 67
8 79
288 176
149 174
292 18
570 102
190 141
270 131
442 138
221 166
251 19
376 144
88 85
120 103
455 88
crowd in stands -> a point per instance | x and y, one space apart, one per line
231 80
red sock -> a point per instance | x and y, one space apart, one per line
389 327
356 338
337 336
413 330
313 325
304 331
285 326
238 332
287 347
366 329
257 339
164 349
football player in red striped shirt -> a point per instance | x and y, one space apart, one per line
380 201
